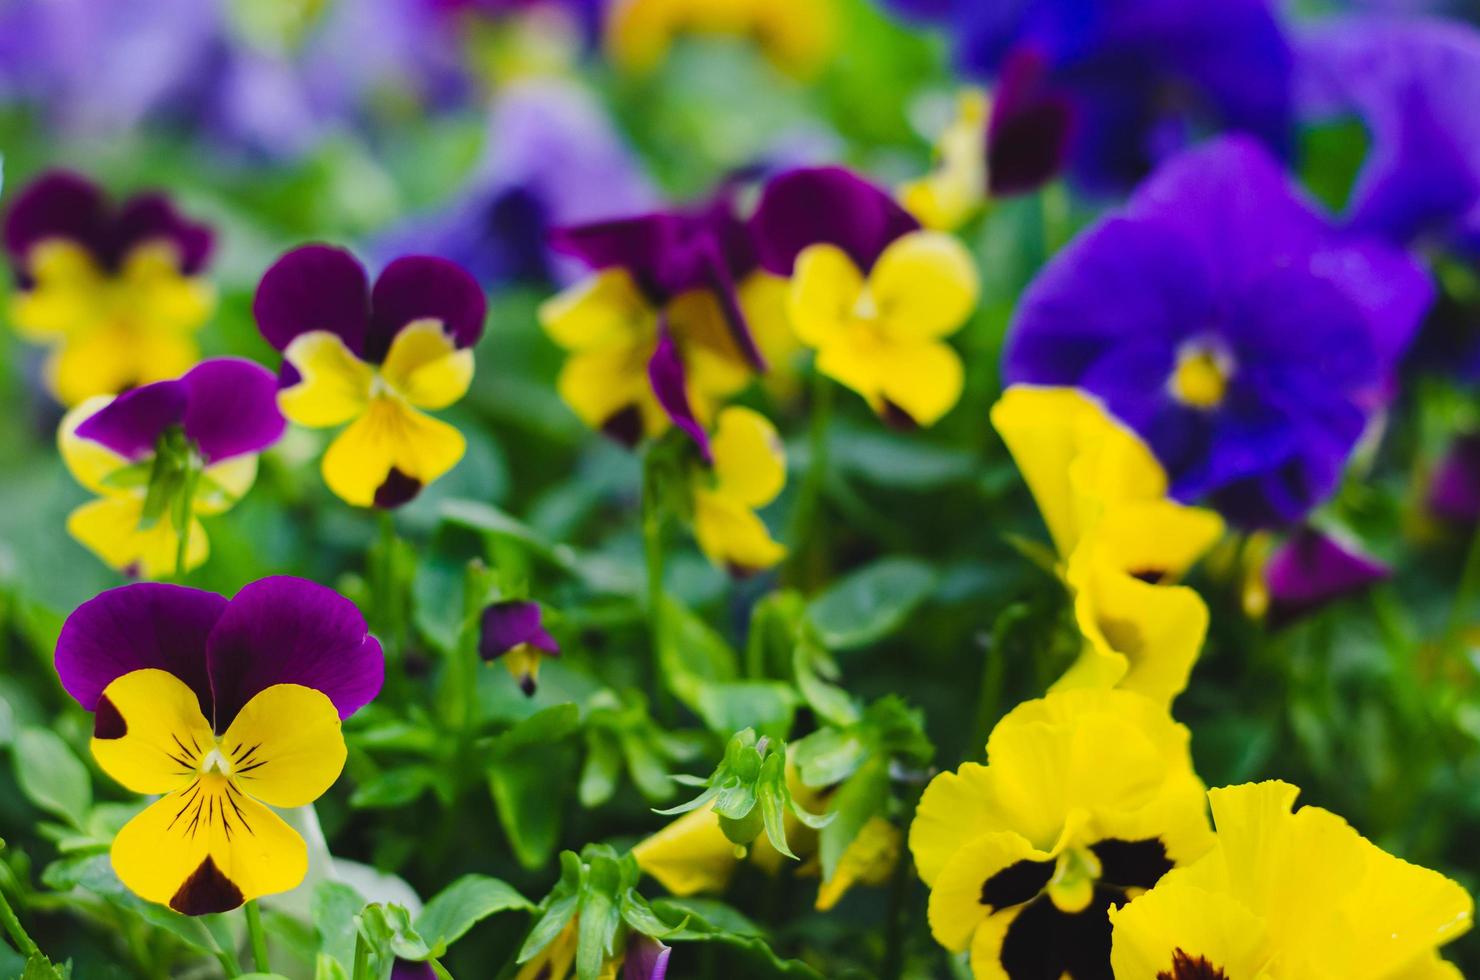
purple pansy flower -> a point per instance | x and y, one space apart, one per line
226 708
372 360
1311 569
1227 322
554 159
514 632
1108 89
1454 493
160 456
825 205
647 958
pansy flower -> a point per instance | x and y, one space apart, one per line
871 292
1228 323
747 471
644 958
795 35
161 456
1105 91
1122 545
956 189
1285 895
1454 492
659 335
223 709
512 631
1313 568
115 293
375 359
1087 799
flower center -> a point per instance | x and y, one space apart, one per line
215 763
1200 378
1072 886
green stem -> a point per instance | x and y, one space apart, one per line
14 929
653 557
387 587
257 936
898 914
226 956
362 958
804 528
184 520
988 698
1468 592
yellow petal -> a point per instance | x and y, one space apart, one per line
110 528
986 947
90 463
602 383
825 290
67 295
150 734
749 460
285 747
224 484
732 535
923 380
870 859
956 908
390 434
924 286
690 855
604 311
955 808
113 357
208 848
334 385
1157 540
154 292
1175 918
425 368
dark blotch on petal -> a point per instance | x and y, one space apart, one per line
108 723
897 418
398 489
1132 863
624 427
1044 943
207 890
1016 884
1188 967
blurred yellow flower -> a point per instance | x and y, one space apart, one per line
795 35
748 472
956 189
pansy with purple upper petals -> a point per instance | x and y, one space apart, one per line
1311 569
513 631
161 456
226 708
373 359
1228 323
1105 90
115 292
871 292
660 334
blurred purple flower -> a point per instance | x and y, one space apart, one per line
1230 324
1106 90
1454 493
1310 569
553 159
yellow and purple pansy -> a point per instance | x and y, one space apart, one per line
373 361
747 472
224 709
871 292
795 35
1290 896
161 456
513 631
1122 544
1087 799
115 293
660 334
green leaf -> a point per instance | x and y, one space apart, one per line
767 706
860 798
752 956
773 813
596 931
871 603
528 786
692 655
463 904
555 919
540 728
647 767
828 756
601 770
39 968
334 906
388 929
393 788
51 776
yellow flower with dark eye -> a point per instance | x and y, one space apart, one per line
748 472
1120 540
1087 799
1290 896
375 360
115 293
796 35
956 190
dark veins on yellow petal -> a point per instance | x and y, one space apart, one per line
202 807
207 890
1187 967
108 723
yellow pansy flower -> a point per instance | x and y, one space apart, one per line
956 190
748 472
796 35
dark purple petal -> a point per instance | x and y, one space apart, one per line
285 630
132 423
1028 136
803 207
151 218
670 386
135 627
1454 493
315 287
421 287
231 408
511 624
1311 569
647 959
58 204
407 970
